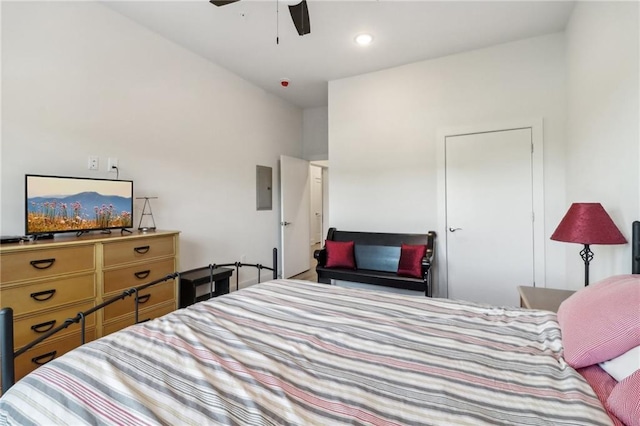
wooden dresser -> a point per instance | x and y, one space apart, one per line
47 281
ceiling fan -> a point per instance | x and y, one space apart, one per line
299 14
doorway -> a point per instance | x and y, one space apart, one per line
490 193
316 210
303 189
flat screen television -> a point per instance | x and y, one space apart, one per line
70 204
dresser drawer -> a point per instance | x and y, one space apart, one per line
138 249
36 264
48 351
159 293
124 278
49 294
146 314
27 329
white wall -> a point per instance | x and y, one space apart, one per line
315 133
603 142
383 133
78 79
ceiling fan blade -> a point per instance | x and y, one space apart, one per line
222 2
300 16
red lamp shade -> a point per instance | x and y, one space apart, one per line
588 223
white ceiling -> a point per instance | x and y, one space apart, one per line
241 37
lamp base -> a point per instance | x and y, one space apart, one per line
587 257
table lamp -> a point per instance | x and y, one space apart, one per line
587 223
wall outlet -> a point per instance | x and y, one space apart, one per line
111 163
94 163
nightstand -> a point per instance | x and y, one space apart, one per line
548 299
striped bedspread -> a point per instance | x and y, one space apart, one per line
296 353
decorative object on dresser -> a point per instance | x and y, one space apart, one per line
587 223
46 282
147 222
378 258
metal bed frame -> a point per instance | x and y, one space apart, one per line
8 353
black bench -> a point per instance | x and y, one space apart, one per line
377 256
217 279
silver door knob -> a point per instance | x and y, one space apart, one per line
455 229
285 223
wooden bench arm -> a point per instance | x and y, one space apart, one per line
320 256
426 263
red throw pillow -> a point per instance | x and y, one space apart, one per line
340 254
410 264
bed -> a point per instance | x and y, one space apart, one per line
289 352
294 352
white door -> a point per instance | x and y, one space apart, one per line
489 215
316 204
294 216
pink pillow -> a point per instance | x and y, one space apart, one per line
340 254
602 384
624 400
602 321
410 264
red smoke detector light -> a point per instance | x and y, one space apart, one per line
284 82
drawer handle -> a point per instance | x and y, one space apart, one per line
40 328
142 274
141 249
48 263
144 299
38 359
41 296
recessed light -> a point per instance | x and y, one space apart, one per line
364 39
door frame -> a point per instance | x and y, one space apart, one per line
537 138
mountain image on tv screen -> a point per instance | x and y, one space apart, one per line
59 204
